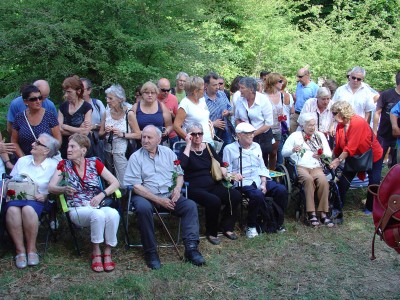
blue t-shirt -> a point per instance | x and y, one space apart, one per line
303 93
396 111
17 105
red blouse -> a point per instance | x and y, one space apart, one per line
358 139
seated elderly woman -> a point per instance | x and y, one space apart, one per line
22 216
84 194
196 162
305 148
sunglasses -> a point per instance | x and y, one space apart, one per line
334 113
300 76
37 142
356 78
34 99
196 134
280 81
165 90
220 83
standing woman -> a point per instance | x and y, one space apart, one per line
273 90
74 114
193 109
32 122
150 111
117 131
354 136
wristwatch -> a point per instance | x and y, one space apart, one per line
105 194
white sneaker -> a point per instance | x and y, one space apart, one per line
251 232
54 225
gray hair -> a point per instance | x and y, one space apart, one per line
51 143
158 131
305 118
249 82
88 82
180 74
193 125
358 70
323 92
117 90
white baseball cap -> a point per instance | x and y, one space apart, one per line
244 127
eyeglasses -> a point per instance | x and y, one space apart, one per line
248 133
280 81
220 83
196 134
40 144
165 90
149 93
356 78
34 99
334 113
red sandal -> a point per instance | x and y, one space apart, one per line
108 266
97 264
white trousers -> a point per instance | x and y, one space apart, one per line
103 223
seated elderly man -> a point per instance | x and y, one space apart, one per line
150 172
253 175
305 148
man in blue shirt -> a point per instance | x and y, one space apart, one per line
305 90
219 106
17 105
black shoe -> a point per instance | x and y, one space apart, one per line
193 255
213 240
152 260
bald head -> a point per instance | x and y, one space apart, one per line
44 87
164 86
303 76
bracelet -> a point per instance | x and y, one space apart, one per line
123 135
105 194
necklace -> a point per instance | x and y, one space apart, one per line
200 152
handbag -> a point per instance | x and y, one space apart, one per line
21 188
131 144
216 172
360 163
218 143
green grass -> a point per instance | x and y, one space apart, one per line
304 263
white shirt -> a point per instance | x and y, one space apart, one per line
252 162
307 160
260 112
325 118
197 113
362 100
40 174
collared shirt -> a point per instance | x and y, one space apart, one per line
362 100
155 173
40 174
303 93
252 162
17 105
217 106
306 160
260 113
324 119
98 110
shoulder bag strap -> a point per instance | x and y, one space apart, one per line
209 151
29 125
248 117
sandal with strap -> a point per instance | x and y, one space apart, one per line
108 266
313 221
327 222
96 265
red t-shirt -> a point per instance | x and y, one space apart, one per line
358 139
172 104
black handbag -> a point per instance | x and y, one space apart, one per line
131 144
360 163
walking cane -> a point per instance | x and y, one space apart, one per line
169 234
241 184
4 176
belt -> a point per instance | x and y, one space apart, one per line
297 112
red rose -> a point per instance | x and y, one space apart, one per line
225 164
307 137
177 162
320 151
282 118
11 193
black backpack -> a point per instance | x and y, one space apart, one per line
269 217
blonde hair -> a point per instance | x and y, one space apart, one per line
193 83
270 81
344 108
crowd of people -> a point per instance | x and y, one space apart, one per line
247 131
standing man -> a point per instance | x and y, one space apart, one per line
179 90
171 102
98 111
17 105
149 171
221 86
306 89
357 93
219 107
387 100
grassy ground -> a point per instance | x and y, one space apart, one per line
304 263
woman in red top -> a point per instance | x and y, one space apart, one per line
353 137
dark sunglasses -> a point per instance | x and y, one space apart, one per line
356 78
280 81
165 90
33 99
334 113
196 134
40 144
220 83
300 76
